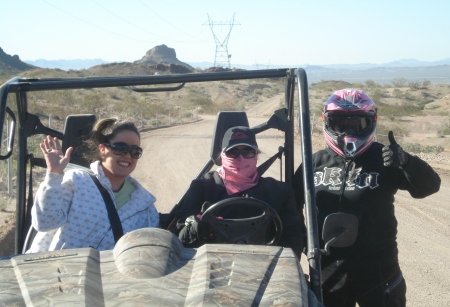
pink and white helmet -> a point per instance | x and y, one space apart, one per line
349 122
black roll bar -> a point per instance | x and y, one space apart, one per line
24 84
308 185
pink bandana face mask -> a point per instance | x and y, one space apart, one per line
238 174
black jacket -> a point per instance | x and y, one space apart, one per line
365 188
279 195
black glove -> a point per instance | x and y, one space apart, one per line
188 234
393 155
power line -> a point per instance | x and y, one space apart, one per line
123 19
93 25
175 27
222 57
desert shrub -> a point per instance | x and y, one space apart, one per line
371 83
399 82
3 203
3 168
256 88
426 84
114 96
377 94
91 103
186 114
395 111
408 96
331 86
201 101
397 93
417 148
444 131
414 85
204 103
427 97
359 85
154 122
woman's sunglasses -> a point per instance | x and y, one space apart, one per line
121 149
246 153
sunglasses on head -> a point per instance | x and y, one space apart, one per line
246 153
122 149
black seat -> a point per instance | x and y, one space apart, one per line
77 129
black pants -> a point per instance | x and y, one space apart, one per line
370 284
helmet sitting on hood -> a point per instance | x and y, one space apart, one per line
349 122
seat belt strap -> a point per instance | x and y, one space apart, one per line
113 216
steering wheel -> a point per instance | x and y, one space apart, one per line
239 231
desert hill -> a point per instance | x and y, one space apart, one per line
159 59
161 55
10 65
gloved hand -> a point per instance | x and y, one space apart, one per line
188 234
393 155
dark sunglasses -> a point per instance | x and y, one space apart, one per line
246 153
121 149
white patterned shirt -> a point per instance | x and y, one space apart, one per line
69 211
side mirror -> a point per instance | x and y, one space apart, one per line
339 230
10 139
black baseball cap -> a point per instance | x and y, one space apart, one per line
239 135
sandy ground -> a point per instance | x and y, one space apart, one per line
174 156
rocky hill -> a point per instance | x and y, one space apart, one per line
10 65
159 59
162 55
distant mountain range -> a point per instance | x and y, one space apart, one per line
85 64
162 58
66 64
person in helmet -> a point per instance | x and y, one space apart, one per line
357 175
349 119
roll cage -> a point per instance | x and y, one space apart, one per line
29 124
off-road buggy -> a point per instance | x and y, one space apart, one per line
150 266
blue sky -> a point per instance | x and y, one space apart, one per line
283 32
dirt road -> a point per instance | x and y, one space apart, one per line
173 157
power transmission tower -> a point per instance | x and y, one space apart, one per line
258 65
222 58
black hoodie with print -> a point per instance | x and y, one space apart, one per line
364 187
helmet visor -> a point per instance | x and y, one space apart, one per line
355 125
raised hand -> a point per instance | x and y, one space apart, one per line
393 155
55 159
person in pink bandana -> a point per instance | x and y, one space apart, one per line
238 177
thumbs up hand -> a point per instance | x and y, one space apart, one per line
393 155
